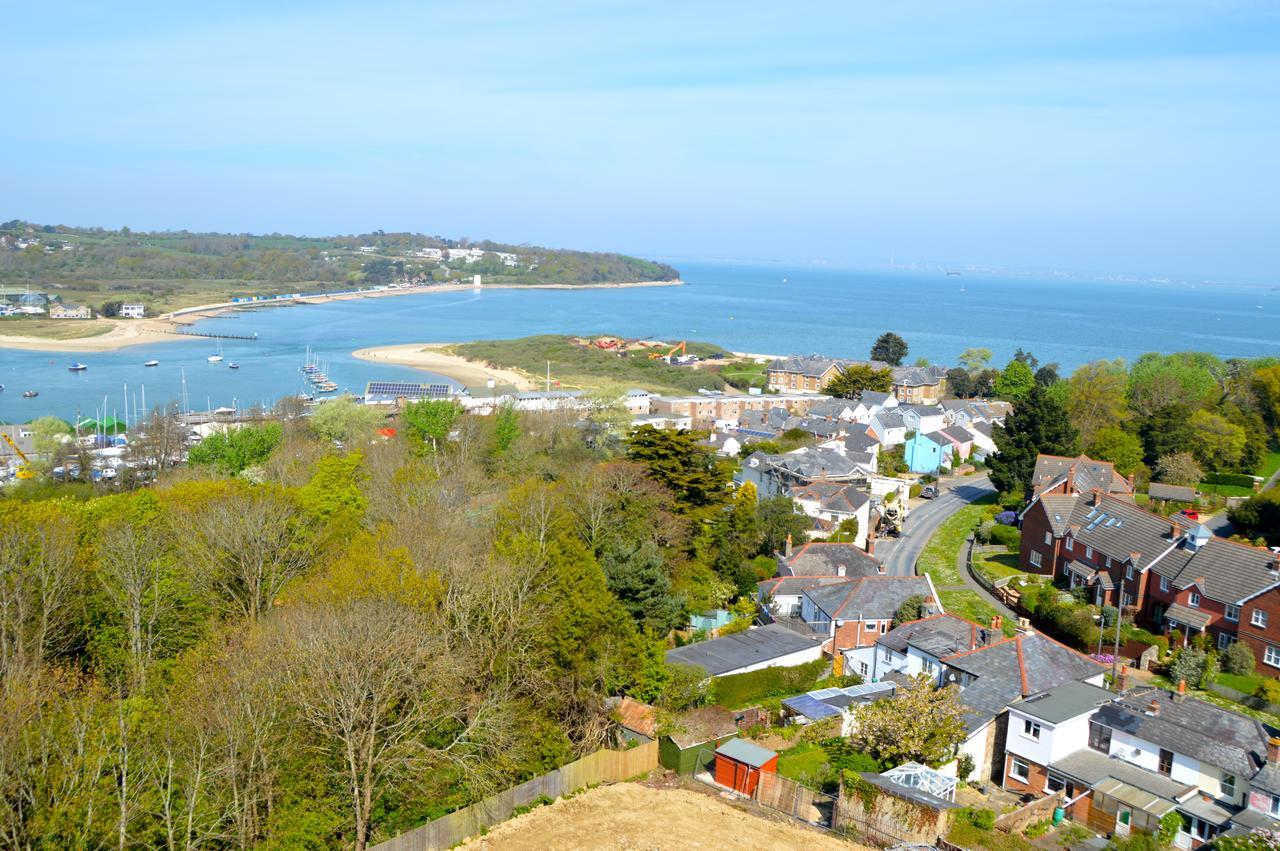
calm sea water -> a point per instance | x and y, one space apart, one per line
743 307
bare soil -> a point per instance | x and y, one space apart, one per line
654 815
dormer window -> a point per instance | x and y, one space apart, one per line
1193 600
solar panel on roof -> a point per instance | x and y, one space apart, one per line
408 390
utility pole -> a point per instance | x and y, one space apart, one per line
1115 658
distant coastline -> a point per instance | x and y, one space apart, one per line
165 328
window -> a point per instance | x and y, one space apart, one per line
1068 543
1193 600
1128 571
884 627
1019 769
1099 737
1048 539
888 655
1088 552
1224 640
1274 809
1166 761
862 668
1259 618
1272 656
1108 561
1036 560
1164 584
1054 783
1229 786
1031 728
1232 613
1126 599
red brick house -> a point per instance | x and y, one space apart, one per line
1058 474
1259 625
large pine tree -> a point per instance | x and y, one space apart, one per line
1039 424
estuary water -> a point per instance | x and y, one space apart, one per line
758 308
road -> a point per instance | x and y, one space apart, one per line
899 554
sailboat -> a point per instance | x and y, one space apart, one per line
218 357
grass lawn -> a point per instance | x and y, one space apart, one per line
1270 463
803 763
1225 490
1222 702
999 565
939 561
745 373
1247 684
54 329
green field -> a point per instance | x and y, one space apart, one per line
586 367
52 329
1270 463
998 565
1224 490
939 561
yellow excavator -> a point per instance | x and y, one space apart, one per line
25 471
678 347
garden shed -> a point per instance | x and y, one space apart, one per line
740 763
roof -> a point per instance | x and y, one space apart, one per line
939 635
704 724
1084 474
821 558
868 597
1190 727
1064 702
752 647
814 366
829 702
1091 768
890 418
1268 779
874 398
958 434
918 376
910 793
832 496
795 585
1136 797
1230 572
1187 616
1058 508
859 441
1177 493
746 752
637 716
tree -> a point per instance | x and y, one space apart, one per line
1180 468
681 462
846 532
912 609
1037 426
1015 382
1196 667
889 348
1189 379
345 421
1165 432
506 428
1047 375
1097 397
48 434
853 379
974 360
780 518
923 723
1258 517
1238 659
39 586
430 420
1216 443
234 450
1266 384
636 577
959 382
1118 446
1027 359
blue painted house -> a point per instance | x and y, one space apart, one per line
926 453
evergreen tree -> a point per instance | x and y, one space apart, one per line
636 578
684 464
889 348
857 377
1035 426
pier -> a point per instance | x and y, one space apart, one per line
214 336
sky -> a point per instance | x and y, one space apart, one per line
1134 137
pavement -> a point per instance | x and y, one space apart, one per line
899 555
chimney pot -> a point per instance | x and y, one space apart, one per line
997 622
1154 707
787 551
839 570
1273 750
1122 679
1174 531
1182 692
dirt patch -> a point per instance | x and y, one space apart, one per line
635 816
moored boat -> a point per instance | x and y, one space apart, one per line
30 394
152 363
76 366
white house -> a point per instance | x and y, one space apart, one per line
889 428
725 443
835 503
763 647
133 311
871 403
923 419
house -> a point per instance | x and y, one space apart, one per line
1055 474
919 385
820 558
961 441
69 311
1162 493
740 763
922 418
854 615
637 402
858 441
834 702
637 722
919 646
888 427
674 421
872 402
725 443
927 453
133 311
1258 624
777 474
836 503
769 646
1131 759
834 409
804 374
982 440
780 596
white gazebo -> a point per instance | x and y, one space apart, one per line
913 775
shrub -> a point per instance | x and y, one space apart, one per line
1035 829
982 819
1007 536
1195 666
737 690
914 491
1133 633
1238 659
1109 615
964 767
1269 690
843 757
983 533
1241 480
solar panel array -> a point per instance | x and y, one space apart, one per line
408 390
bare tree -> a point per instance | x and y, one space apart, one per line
375 680
160 441
249 544
133 566
38 582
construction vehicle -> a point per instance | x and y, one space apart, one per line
891 519
609 343
678 347
24 471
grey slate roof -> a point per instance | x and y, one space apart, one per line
832 496
890 418
720 655
1177 493
917 376
983 428
816 463
1190 727
831 408
958 434
859 441
1064 702
747 752
939 635
819 558
873 398
811 365
1085 474
795 585
1091 768
868 597
1268 779
1059 509
1231 572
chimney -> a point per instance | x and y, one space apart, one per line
1122 679
787 551
1154 707
871 549
880 569
997 622
1174 531
1273 751
1096 498
840 570
1274 568
1181 694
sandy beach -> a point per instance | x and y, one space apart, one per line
433 358
136 332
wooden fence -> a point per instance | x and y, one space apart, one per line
603 766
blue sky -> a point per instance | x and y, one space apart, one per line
1133 137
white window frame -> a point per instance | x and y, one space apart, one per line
1030 729
1228 786
1048 539
1224 640
1232 613
1272 656
1128 571
1193 600
1164 584
863 669
1054 782
1025 777
1070 546
1037 560
1088 552
1258 618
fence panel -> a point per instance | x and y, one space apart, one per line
603 766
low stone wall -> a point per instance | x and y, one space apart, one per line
1037 810
1245 699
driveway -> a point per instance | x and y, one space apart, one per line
899 554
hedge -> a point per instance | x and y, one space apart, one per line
1007 536
738 690
1241 480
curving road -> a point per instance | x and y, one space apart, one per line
899 554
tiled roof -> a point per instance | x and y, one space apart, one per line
873 398
1230 572
890 418
1178 493
918 376
958 434
1059 509
1085 474
939 635
1190 727
819 558
859 441
831 496
794 585
752 647
637 716
813 366
868 598
1091 768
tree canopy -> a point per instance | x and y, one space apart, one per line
889 348
1038 425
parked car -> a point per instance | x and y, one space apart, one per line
928 492
1190 514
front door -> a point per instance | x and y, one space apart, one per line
1123 816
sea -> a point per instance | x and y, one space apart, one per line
764 308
